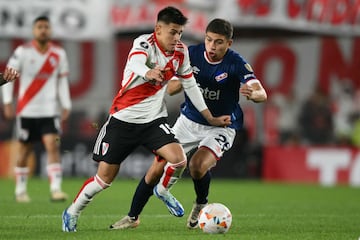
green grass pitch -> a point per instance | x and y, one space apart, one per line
260 211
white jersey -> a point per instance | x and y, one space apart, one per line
43 84
142 101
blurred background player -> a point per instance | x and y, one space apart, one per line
43 103
138 112
221 74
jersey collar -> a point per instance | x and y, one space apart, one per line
36 46
208 59
167 54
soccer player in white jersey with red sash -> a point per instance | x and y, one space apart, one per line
43 102
138 112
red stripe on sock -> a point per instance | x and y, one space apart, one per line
168 174
83 186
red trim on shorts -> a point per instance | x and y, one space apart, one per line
216 157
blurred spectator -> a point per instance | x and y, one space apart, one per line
343 108
316 120
355 138
288 115
355 119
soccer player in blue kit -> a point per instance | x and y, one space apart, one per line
221 74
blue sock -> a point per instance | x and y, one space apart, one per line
202 188
142 194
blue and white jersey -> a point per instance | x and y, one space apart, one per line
219 83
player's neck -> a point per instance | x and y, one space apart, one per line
42 46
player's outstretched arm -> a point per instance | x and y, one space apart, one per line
254 92
221 121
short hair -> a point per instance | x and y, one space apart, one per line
171 15
41 18
220 26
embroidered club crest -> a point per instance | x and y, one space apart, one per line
220 77
53 61
105 147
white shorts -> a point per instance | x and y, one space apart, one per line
191 134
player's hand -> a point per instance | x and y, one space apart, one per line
10 74
65 115
156 75
222 121
246 91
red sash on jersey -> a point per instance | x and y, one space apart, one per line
129 97
39 80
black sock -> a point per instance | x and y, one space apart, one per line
142 194
202 188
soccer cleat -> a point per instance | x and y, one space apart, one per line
58 196
125 223
173 205
22 198
69 222
193 219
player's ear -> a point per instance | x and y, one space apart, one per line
230 42
158 28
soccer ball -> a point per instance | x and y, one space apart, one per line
215 218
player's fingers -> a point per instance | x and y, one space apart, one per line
6 73
165 69
10 74
159 76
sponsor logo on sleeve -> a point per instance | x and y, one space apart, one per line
248 67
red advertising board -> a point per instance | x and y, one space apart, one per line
324 165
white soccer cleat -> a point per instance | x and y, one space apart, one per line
58 196
69 222
173 205
125 223
193 219
22 198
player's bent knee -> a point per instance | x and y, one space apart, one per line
181 164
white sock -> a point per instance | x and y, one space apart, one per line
172 173
90 188
54 172
21 179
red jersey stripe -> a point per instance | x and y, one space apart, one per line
186 76
134 96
